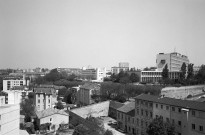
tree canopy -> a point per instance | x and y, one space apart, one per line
165 72
158 127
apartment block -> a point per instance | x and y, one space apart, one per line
9 82
187 116
43 98
9 119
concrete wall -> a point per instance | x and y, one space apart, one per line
10 119
94 110
182 92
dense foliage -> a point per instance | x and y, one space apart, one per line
158 127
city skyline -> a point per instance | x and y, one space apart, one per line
78 33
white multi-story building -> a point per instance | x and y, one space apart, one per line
10 81
123 66
94 73
9 119
173 60
43 98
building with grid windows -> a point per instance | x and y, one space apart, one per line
187 116
173 60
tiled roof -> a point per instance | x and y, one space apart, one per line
174 102
115 104
127 108
90 86
49 112
48 91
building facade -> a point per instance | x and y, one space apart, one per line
155 76
43 98
53 116
9 119
173 60
187 116
9 82
126 118
84 95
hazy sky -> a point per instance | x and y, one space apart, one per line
101 33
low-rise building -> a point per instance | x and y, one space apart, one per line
126 118
84 95
114 105
53 117
188 117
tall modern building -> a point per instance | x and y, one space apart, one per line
94 73
173 60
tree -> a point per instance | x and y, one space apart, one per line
27 109
183 71
59 105
190 71
165 72
201 74
53 76
134 78
158 127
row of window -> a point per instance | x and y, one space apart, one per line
144 103
144 113
200 127
44 100
174 109
129 119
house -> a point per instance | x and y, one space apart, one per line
52 118
84 95
114 105
43 98
126 118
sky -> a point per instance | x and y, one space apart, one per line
100 33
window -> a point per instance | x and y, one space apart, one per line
193 113
173 108
201 128
179 123
137 111
137 122
38 95
49 101
150 104
142 102
137 102
38 100
146 124
193 126
156 105
122 116
161 106
179 110
173 122
150 114
146 104
0 117
50 119
128 119
142 123
167 119
141 112
146 113
167 107
118 115
157 116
